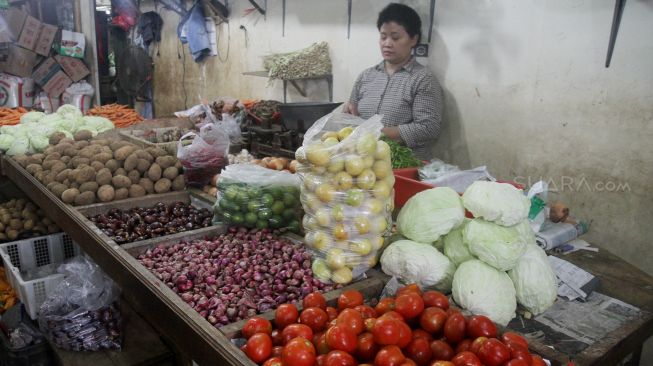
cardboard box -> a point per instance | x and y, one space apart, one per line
45 71
15 18
57 84
30 33
72 44
46 38
19 62
73 67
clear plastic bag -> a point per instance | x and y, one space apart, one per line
231 126
347 194
253 196
205 156
82 314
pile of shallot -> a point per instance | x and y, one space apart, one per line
235 275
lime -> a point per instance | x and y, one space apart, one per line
277 193
251 218
253 206
289 199
294 226
278 207
276 221
262 224
237 218
264 214
288 214
231 192
242 197
267 200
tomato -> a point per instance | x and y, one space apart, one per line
408 362
405 335
538 361
409 305
320 360
435 298
441 363
366 349
419 351
385 305
389 356
256 325
340 337
259 347
369 324
331 312
392 315
285 314
464 345
277 339
441 350
420 333
516 362
349 299
454 328
276 351
352 319
366 311
466 359
315 318
493 353
273 361
433 319
451 311
412 288
321 346
298 352
296 330
386 331
314 300
339 358
518 352
515 338
476 344
481 326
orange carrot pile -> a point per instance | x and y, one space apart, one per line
121 115
11 116
7 294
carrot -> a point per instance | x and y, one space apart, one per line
121 115
11 116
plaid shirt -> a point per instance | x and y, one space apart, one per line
410 99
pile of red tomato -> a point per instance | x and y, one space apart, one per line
414 328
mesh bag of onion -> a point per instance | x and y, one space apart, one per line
347 194
205 156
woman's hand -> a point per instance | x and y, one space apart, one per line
392 133
350 108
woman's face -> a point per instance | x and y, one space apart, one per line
396 45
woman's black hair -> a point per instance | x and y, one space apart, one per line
403 15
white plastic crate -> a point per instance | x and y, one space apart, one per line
28 262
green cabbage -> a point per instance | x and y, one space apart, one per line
499 246
500 203
418 263
31 117
69 111
454 246
484 290
535 282
430 214
100 124
6 141
50 118
20 146
39 142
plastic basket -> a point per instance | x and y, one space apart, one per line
23 259
407 185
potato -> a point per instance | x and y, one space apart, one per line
103 177
69 195
58 189
106 193
156 151
12 234
178 165
77 161
74 185
122 153
58 167
107 150
38 157
20 159
143 154
171 173
85 174
39 175
85 198
121 193
61 147
121 181
49 187
112 165
48 164
66 140
143 165
71 151
28 225
65 159
178 184
101 142
33 168
154 173
162 185
2 227
120 171
103 157
80 144
87 153
134 176
166 161
48 178
46 221
16 224
136 191
88 187
116 145
56 137
5 219
147 184
97 166
83 135
67 181
131 162
62 175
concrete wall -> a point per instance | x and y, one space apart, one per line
527 93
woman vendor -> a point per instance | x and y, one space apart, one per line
405 92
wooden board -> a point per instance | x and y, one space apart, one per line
139 247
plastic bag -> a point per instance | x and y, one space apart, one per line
231 127
347 194
82 313
16 91
253 196
205 156
80 95
460 180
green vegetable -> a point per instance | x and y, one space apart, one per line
500 203
430 214
535 282
499 246
454 246
401 156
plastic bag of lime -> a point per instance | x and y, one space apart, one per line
347 194
256 197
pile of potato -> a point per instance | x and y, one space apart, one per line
85 171
22 218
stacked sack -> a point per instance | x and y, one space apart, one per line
494 258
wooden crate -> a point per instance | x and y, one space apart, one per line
136 137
